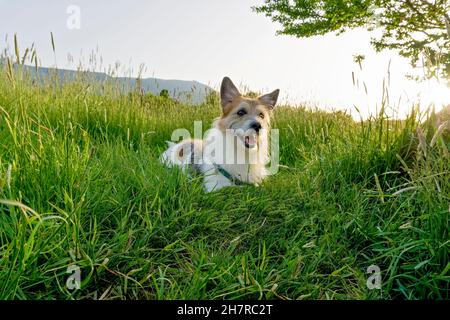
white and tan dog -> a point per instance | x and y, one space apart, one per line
235 150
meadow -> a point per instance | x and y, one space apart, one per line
81 187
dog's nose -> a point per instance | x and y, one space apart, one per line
256 126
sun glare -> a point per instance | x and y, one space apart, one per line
435 94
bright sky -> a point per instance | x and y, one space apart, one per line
205 40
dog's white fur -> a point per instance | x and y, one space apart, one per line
225 149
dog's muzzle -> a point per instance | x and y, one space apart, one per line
250 137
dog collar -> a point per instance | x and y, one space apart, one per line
228 175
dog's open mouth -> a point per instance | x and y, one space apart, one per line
250 141
248 138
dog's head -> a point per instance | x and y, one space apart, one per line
249 118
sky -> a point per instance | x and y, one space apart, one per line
205 40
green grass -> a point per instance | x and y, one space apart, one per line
81 185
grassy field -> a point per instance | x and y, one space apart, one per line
81 185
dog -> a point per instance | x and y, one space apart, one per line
235 151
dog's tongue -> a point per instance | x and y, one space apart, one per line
250 141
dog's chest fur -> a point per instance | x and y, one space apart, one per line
247 167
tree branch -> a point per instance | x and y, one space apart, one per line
447 23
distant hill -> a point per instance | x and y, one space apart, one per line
184 91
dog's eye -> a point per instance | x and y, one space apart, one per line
242 112
261 115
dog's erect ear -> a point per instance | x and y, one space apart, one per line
228 91
270 99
